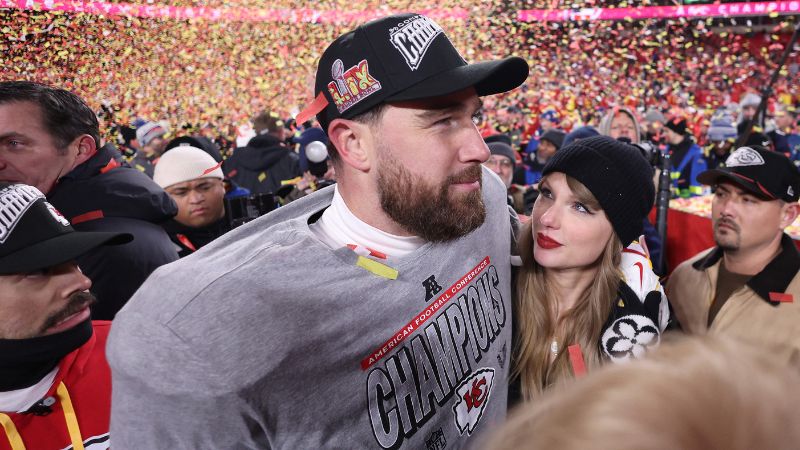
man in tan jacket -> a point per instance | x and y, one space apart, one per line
748 285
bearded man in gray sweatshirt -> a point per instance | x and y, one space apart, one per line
375 313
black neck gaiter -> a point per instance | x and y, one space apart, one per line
24 362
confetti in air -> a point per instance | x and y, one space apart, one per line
215 63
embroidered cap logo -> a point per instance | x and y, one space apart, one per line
352 85
57 215
14 201
413 37
744 156
337 72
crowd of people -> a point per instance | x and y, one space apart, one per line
215 73
400 251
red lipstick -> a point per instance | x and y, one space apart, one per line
546 243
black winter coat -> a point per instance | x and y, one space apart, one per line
190 239
105 194
262 165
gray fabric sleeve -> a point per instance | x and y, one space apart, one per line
175 406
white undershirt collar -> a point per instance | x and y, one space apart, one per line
22 399
339 227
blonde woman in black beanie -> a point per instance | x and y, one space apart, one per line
577 303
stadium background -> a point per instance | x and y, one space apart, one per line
217 73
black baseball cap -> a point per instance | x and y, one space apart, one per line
766 174
398 58
34 235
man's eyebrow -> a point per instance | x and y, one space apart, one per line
736 190
448 108
12 134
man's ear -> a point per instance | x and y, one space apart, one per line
789 214
353 141
86 146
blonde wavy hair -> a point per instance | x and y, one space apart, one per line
536 304
692 393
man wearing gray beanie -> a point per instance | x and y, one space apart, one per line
748 106
721 137
151 139
503 162
653 124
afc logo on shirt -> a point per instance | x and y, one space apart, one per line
431 287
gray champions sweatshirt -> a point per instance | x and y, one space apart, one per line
266 338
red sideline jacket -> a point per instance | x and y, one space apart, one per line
82 408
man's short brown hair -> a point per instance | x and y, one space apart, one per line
370 117
267 120
65 116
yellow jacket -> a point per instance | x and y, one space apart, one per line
766 311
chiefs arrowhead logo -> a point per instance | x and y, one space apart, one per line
57 215
473 396
744 156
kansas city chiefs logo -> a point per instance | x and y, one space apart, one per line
473 396
744 156
57 215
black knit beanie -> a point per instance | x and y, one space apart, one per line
677 124
617 175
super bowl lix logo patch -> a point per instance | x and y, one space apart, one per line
352 85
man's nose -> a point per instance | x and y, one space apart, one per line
474 149
726 207
75 279
196 197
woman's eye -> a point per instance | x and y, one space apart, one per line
582 208
545 192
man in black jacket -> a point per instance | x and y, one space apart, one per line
266 162
49 139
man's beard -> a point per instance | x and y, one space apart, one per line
429 211
77 301
732 239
